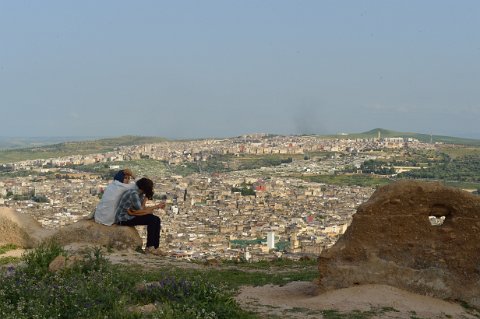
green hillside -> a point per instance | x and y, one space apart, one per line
75 148
421 137
12 142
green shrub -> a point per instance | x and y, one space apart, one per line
38 260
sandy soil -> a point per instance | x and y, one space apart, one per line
17 253
301 300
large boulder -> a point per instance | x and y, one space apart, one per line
20 229
24 231
392 241
90 232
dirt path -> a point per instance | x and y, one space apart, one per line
301 300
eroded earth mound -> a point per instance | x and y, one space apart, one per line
391 241
24 231
20 229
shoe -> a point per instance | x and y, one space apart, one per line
155 251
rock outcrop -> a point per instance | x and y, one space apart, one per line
392 241
20 229
88 231
25 232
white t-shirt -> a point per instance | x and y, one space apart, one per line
105 211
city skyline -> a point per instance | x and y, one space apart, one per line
224 68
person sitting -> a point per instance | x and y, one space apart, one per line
105 210
131 211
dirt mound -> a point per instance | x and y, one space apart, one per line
391 241
20 229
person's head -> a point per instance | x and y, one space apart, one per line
124 176
146 186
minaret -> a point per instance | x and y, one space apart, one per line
271 240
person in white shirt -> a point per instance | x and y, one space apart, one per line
105 210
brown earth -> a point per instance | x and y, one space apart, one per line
392 242
20 229
302 300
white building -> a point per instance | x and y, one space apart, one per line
271 240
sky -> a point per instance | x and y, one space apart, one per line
197 69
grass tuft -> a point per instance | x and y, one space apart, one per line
6 248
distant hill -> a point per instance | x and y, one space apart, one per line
28 142
421 137
74 147
39 148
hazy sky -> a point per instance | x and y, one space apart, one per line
187 69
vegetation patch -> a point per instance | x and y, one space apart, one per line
348 180
94 288
6 248
8 260
464 169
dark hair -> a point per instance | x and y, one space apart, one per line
120 176
146 185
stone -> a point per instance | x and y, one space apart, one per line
391 241
25 232
20 229
88 231
62 262
143 309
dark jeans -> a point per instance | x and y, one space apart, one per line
154 225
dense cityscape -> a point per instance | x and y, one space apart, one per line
259 213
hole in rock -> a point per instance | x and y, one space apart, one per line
436 221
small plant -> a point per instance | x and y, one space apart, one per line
8 260
470 309
38 260
93 260
7 247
